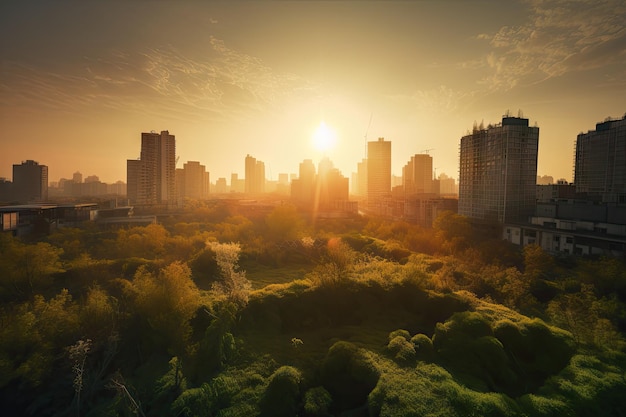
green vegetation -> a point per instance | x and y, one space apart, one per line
222 313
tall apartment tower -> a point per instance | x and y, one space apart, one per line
361 175
30 181
498 171
378 170
192 181
417 175
600 161
152 178
303 187
254 175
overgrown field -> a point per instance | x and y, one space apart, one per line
368 318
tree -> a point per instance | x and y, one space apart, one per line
454 229
167 301
234 284
284 223
537 263
27 269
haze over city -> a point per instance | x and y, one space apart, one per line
80 82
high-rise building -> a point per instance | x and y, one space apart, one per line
303 187
237 185
192 181
378 170
447 185
361 176
417 175
254 175
600 161
220 186
152 178
30 181
498 171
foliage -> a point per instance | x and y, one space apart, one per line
131 304
317 402
282 395
423 346
167 301
349 375
508 357
26 269
234 284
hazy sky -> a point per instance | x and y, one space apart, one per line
80 81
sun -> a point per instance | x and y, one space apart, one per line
324 137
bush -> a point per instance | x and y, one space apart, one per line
517 360
348 375
400 332
282 396
402 350
317 402
423 346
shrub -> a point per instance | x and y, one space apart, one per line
402 350
400 332
317 402
282 396
423 346
348 375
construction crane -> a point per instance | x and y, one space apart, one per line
367 130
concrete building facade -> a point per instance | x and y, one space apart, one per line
151 179
600 162
378 172
498 171
30 181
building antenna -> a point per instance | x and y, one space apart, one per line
367 130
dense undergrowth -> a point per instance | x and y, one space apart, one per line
361 318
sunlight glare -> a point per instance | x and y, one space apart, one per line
324 137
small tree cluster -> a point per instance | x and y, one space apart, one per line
234 284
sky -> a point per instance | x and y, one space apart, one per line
80 81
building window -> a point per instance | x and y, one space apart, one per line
569 239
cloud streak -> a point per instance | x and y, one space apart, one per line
560 36
223 84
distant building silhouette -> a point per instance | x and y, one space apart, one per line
600 161
545 180
359 182
498 171
254 175
151 179
220 186
417 175
378 172
192 181
447 186
303 187
325 194
30 181
6 190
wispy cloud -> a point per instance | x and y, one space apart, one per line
219 84
441 100
560 36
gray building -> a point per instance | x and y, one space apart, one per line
152 178
498 171
30 181
600 162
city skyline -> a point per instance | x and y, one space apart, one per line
258 78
